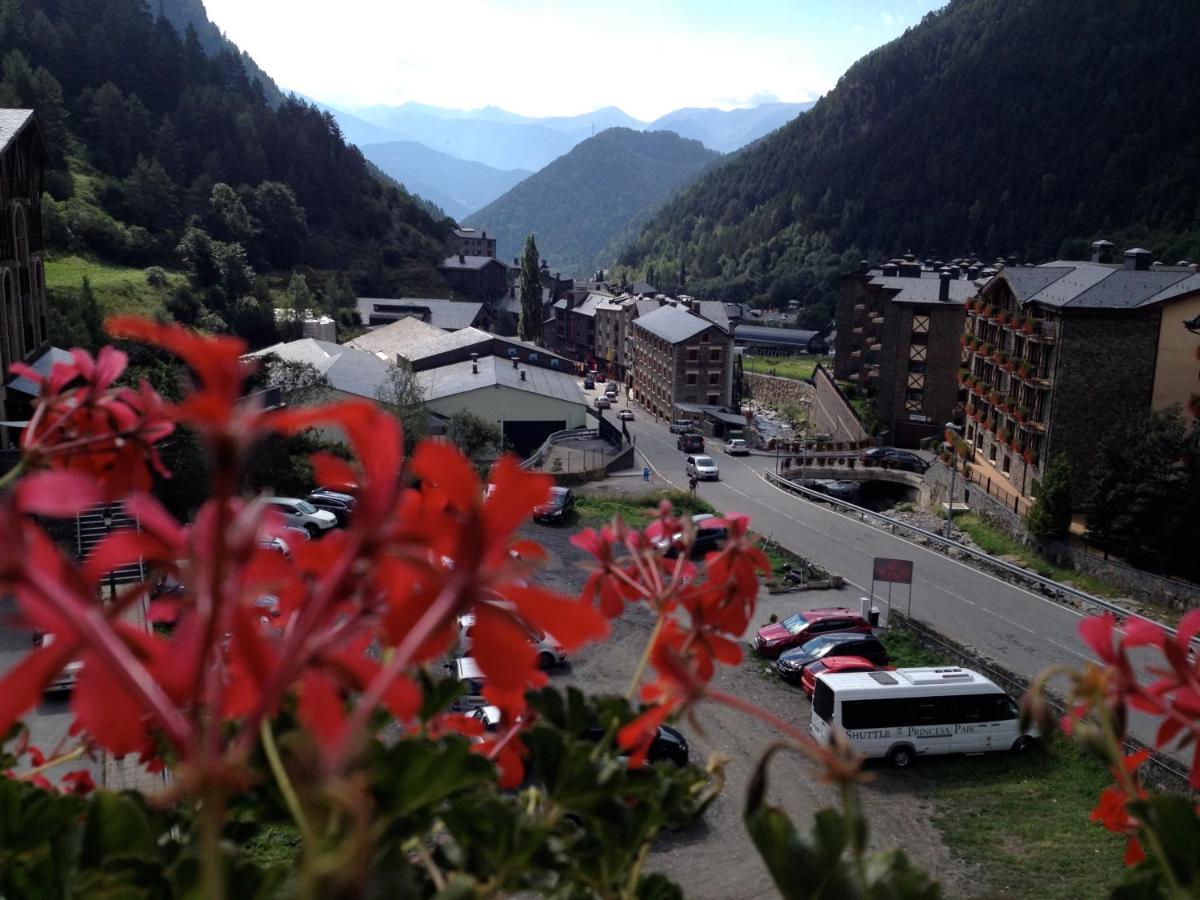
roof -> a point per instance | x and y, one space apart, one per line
762 334
410 338
449 315
672 324
471 234
926 289
714 311
715 412
42 365
457 378
591 302
1087 285
474 263
642 287
346 368
13 122
647 306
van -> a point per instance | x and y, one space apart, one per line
466 670
906 713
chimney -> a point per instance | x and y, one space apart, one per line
972 272
1137 258
516 363
517 262
1102 251
485 235
864 266
1012 261
890 269
461 259
474 363
944 285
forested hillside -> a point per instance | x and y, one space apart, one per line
167 155
592 199
1024 127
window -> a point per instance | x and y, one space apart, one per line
693 354
918 352
714 378
913 400
691 377
920 325
714 354
704 337
1007 463
713 399
992 454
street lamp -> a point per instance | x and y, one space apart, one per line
955 429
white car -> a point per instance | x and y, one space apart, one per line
302 514
703 468
549 652
603 402
65 680
737 447
625 415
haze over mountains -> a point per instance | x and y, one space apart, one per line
582 207
507 142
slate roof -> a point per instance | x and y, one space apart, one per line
413 339
642 287
593 300
672 324
714 311
1087 285
473 263
457 378
42 365
761 334
449 315
472 234
926 289
12 123
346 369
646 306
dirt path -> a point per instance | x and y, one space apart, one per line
716 859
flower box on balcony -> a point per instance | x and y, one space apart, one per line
1029 456
1001 317
1027 326
1021 413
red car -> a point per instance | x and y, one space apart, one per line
836 664
793 631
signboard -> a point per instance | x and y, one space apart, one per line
917 417
893 571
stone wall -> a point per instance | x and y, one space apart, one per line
831 413
770 390
937 489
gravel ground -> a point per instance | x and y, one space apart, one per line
716 859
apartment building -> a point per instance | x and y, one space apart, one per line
678 357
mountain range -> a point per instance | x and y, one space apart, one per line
997 127
506 142
592 200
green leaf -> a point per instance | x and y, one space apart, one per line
437 694
1175 825
117 827
417 772
657 886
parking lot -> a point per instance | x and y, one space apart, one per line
716 859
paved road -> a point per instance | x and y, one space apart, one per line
1023 631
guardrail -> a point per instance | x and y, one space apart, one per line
540 454
1050 586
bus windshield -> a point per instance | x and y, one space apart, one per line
823 701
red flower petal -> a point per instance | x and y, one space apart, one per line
22 685
60 494
320 708
440 465
572 623
502 648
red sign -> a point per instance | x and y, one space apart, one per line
897 571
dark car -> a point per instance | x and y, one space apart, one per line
341 505
791 665
690 443
561 502
793 631
589 384
668 745
711 535
891 458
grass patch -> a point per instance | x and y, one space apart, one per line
799 368
999 543
593 510
117 288
1023 820
275 846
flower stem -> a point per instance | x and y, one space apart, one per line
212 865
286 788
51 763
641 666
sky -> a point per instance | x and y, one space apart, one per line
561 57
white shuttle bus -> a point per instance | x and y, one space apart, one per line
905 713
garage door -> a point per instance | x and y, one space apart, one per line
525 437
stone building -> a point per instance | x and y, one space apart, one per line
680 358
469 242
898 340
24 158
1059 354
483 279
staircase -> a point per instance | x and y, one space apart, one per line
90 529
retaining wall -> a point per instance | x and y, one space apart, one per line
771 390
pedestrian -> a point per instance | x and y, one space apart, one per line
645 473
692 482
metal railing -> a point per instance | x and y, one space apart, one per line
540 454
1048 585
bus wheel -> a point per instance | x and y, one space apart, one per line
901 757
1024 744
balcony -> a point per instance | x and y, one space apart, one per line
1045 332
876 320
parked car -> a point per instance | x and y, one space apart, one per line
891 458
466 670
612 387
589 384
737 447
702 468
602 402
833 665
791 664
681 426
690 442
773 639
64 680
302 514
711 535
625 415
275 545
549 652
561 502
667 745
341 505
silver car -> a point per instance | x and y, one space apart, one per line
702 468
549 652
302 514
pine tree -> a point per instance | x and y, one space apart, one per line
530 326
1050 517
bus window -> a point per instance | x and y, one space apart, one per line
823 701
1001 708
933 711
973 708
